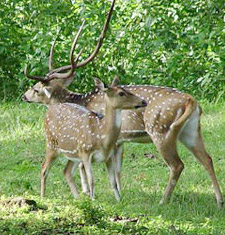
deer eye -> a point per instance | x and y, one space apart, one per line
121 93
36 91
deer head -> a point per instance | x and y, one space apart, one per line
118 97
52 86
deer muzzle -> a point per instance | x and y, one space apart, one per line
24 98
142 105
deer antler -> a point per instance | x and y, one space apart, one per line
37 78
97 48
56 73
52 74
50 62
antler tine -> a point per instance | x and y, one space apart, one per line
75 43
98 46
100 39
73 66
36 78
50 62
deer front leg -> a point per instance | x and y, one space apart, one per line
118 160
69 171
83 177
89 173
112 177
45 167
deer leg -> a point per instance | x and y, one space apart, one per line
69 171
118 159
173 161
50 156
112 177
83 178
195 144
89 173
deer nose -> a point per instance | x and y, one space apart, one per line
144 103
24 98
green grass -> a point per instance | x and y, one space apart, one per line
192 210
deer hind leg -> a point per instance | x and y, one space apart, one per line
50 156
112 177
89 173
118 159
83 177
191 137
69 172
173 161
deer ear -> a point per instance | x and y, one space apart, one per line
115 81
48 91
100 85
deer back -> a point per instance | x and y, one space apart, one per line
165 106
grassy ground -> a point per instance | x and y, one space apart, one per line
192 209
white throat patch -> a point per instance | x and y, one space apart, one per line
118 118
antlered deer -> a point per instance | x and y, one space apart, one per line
84 136
170 116
51 88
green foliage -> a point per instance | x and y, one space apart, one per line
169 43
192 210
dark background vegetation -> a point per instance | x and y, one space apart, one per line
171 43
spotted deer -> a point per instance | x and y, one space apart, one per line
170 116
84 136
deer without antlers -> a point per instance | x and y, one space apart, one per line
83 136
170 116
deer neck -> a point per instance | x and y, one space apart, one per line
112 125
62 95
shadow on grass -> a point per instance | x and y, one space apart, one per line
187 213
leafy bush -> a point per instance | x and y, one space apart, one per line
168 43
